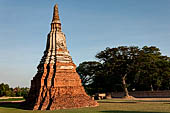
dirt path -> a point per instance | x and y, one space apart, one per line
10 97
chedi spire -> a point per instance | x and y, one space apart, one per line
56 24
57 84
56 14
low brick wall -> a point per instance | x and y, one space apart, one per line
144 94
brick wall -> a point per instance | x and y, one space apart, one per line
144 94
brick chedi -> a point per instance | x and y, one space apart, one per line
57 84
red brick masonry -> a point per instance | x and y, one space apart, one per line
57 84
58 89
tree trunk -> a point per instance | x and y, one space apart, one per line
152 87
124 86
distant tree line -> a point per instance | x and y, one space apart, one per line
126 69
5 90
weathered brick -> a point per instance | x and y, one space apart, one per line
57 84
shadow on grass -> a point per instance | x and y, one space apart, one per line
113 111
17 105
116 102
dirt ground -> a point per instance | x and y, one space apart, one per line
9 97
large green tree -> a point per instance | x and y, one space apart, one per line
153 69
120 62
131 68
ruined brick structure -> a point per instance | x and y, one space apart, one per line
57 84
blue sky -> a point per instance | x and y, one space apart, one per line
89 25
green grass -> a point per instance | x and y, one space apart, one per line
12 99
105 106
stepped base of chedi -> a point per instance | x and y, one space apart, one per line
57 84
58 89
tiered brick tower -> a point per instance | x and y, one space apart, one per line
57 84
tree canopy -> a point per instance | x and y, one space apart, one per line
126 68
5 90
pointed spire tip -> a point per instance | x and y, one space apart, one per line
56 15
56 6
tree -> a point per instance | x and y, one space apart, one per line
4 88
24 92
152 67
165 73
12 92
120 62
86 71
131 68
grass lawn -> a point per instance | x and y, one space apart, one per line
105 106
11 99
